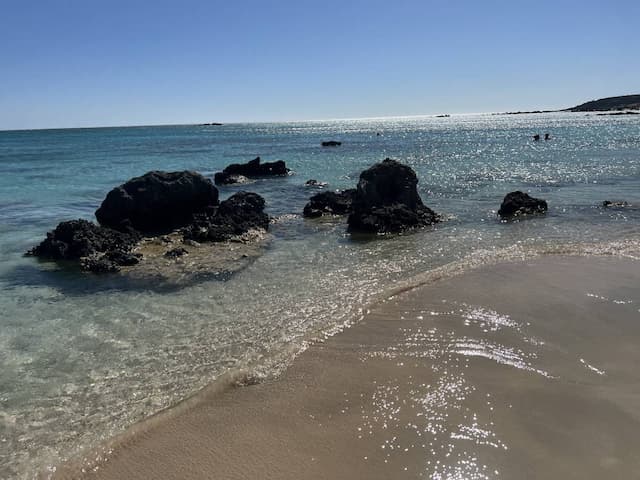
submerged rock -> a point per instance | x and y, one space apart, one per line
176 252
519 203
330 203
109 262
315 183
239 214
387 200
157 201
222 178
75 239
615 204
251 169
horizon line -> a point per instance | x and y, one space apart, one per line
196 124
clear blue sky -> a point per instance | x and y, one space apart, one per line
90 63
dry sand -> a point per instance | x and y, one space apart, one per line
517 371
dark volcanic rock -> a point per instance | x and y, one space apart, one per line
251 169
315 183
331 143
222 178
157 201
520 203
79 238
109 262
99 264
387 200
176 252
238 214
123 258
391 219
330 203
615 204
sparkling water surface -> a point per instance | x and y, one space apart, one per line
84 356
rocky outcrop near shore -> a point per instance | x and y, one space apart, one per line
182 204
387 200
238 172
518 203
157 202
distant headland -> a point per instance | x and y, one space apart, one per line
617 105
625 102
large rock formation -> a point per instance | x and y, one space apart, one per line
387 200
519 203
157 201
251 169
330 203
238 214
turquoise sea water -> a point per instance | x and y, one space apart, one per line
83 356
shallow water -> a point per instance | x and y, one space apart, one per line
517 370
83 357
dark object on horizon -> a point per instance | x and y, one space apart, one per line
547 136
387 200
176 252
536 137
624 102
236 215
212 124
615 204
251 169
618 113
528 112
331 143
446 115
315 183
330 203
520 203
378 134
157 201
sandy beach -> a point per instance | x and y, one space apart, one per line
518 370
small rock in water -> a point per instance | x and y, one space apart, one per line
615 204
236 215
236 172
330 203
75 239
176 252
331 143
315 183
519 203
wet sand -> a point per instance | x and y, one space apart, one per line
519 370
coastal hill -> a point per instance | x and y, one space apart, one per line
625 102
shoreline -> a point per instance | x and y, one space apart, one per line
251 414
